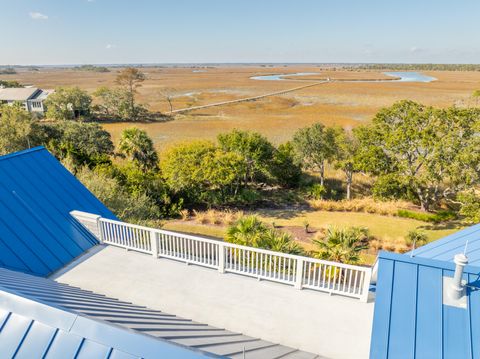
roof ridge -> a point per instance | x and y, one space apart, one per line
23 152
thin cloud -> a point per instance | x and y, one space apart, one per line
110 46
38 16
415 49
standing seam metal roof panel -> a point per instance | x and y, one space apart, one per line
32 329
410 319
37 233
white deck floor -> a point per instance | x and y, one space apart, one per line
331 326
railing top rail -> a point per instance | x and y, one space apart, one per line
238 246
162 231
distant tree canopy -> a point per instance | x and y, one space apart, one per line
112 103
7 71
9 84
68 103
92 68
120 102
419 67
129 80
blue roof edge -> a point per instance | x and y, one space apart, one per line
445 240
108 334
23 152
406 258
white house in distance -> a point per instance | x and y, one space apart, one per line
31 97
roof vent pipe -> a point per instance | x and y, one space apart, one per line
457 289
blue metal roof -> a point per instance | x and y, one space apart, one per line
31 329
200 337
445 249
410 319
37 233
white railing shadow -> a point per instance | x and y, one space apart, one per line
298 271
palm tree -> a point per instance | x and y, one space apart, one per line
138 147
342 244
247 231
280 242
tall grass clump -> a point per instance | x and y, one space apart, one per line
366 205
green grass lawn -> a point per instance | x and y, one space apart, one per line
388 229
385 227
195 228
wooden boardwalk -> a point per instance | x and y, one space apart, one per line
246 99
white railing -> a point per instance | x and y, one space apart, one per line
299 271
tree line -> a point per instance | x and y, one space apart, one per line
419 67
425 155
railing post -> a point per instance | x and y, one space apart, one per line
221 258
90 221
366 285
299 274
99 227
154 243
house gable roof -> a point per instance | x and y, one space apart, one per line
18 94
37 233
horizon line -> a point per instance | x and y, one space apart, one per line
120 64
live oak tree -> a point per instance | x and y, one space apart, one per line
203 172
78 142
68 103
255 149
433 152
314 146
112 103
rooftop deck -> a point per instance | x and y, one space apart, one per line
328 325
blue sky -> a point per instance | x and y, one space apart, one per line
157 31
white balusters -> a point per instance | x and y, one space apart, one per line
300 272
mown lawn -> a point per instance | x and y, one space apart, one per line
388 229
384 227
195 228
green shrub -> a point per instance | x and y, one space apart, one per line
128 207
248 196
440 216
388 187
317 191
